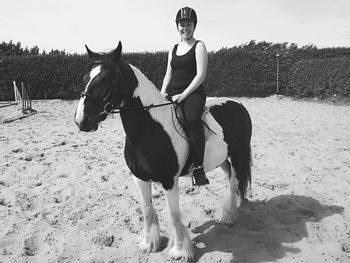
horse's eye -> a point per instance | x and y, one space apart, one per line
86 78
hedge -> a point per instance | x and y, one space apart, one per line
248 70
321 78
45 76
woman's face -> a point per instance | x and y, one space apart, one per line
186 29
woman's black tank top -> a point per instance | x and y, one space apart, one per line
184 70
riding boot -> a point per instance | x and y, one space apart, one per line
197 146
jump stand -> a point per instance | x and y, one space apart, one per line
23 102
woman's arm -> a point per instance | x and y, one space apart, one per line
168 75
202 63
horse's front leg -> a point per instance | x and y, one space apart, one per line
150 241
180 243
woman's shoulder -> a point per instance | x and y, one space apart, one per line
173 47
200 45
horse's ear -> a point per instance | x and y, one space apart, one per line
117 53
90 53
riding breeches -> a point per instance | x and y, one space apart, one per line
193 108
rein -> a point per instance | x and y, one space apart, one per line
118 109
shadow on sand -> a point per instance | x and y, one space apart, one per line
265 231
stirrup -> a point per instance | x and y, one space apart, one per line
198 167
199 177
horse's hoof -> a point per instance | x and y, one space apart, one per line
147 247
229 218
185 254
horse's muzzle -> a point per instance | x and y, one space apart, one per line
86 124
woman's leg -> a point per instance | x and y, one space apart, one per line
193 110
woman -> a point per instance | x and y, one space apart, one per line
183 81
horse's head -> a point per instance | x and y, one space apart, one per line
105 88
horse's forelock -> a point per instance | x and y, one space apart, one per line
103 61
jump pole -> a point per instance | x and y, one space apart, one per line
18 97
19 117
10 104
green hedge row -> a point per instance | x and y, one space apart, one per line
248 70
60 76
320 78
45 76
240 72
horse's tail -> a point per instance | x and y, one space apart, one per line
234 118
241 158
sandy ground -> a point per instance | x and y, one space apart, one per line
67 196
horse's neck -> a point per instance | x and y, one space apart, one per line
146 91
141 125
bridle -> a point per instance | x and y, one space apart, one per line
108 107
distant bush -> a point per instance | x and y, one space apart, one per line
15 49
320 78
152 64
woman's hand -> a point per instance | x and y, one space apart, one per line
164 94
179 98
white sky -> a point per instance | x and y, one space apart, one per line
144 25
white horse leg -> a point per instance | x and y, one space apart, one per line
230 211
180 243
150 241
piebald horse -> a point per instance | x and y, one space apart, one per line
155 150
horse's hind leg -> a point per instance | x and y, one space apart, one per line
230 211
150 241
180 243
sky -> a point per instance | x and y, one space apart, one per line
149 25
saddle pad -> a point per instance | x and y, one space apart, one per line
179 122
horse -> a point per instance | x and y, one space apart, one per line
155 151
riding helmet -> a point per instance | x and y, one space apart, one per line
187 14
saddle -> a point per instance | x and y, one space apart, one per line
180 125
